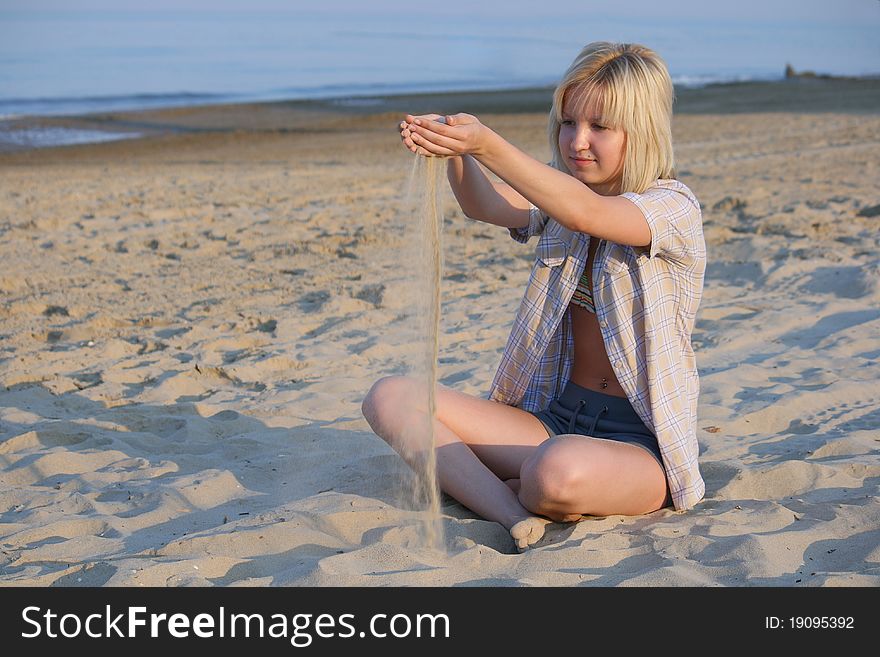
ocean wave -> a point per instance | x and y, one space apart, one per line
24 138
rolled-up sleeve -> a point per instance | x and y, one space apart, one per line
537 221
675 221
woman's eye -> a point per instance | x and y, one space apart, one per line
596 126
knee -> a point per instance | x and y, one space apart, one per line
550 480
383 398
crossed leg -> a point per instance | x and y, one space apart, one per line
481 444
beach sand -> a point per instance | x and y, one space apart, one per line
190 321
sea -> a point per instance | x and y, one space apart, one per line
73 58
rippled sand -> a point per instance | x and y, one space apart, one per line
190 321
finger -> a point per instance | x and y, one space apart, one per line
418 150
434 126
406 138
422 137
433 149
411 118
433 146
430 149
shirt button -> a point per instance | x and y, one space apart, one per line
603 323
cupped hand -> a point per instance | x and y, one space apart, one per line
405 128
456 134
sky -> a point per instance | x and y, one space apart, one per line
838 12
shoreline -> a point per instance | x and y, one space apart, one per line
847 95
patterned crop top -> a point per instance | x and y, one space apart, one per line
583 295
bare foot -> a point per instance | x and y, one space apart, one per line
528 532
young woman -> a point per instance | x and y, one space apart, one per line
593 408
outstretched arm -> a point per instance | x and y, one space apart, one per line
484 200
566 199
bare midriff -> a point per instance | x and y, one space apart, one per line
591 368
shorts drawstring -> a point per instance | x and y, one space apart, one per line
596 420
574 416
572 424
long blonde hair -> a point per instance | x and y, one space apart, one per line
631 87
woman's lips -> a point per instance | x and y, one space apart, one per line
582 162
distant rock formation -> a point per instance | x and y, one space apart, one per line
790 73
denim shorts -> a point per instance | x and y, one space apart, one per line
586 412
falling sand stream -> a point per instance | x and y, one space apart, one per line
424 196
426 180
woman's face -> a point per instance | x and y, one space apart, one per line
592 150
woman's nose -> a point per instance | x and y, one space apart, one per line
581 139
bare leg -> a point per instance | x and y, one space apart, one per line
468 480
478 442
499 462
570 475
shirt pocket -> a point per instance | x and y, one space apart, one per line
624 266
551 251
614 266
617 273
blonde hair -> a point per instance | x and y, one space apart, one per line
631 87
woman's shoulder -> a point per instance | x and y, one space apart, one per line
675 219
670 199
672 188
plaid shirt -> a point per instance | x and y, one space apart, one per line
646 302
